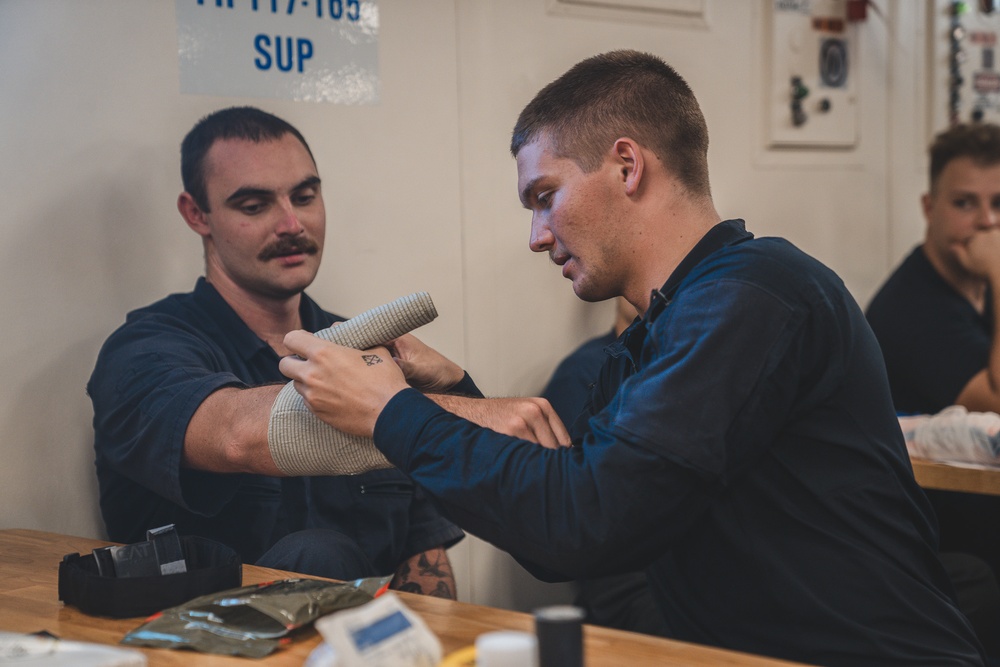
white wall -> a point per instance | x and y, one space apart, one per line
420 194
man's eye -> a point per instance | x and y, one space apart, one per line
251 208
544 200
963 202
304 199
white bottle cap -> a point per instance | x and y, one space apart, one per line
506 648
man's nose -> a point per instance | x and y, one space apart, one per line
541 236
988 217
289 223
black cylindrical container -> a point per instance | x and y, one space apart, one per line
560 636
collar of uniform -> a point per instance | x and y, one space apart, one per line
726 233
721 235
242 337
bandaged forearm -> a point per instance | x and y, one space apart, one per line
300 443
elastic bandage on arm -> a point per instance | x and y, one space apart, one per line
300 443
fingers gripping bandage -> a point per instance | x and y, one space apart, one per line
300 443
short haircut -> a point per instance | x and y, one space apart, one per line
618 94
248 123
978 141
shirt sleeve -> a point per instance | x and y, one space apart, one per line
150 378
706 401
721 371
544 506
466 387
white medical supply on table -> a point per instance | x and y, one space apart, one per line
381 633
506 648
20 650
322 656
954 435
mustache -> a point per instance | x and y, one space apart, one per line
288 246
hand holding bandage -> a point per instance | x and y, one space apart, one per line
341 385
302 444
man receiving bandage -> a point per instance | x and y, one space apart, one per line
183 391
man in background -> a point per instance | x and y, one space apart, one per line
934 316
569 387
182 392
935 320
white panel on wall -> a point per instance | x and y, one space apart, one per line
812 83
326 51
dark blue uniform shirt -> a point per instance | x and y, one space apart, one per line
932 338
742 446
574 378
151 376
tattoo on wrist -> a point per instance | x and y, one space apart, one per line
371 359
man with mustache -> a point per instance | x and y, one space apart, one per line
182 392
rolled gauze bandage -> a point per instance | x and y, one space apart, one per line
300 443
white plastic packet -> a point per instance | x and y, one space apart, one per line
322 656
954 434
20 650
381 633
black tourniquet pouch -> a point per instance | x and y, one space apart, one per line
143 578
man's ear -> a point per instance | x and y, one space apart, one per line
192 214
926 204
631 162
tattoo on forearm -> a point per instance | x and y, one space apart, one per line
371 359
435 569
442 590
433 575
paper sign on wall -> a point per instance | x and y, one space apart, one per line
306 50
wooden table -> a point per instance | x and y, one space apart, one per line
968 477
29 562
